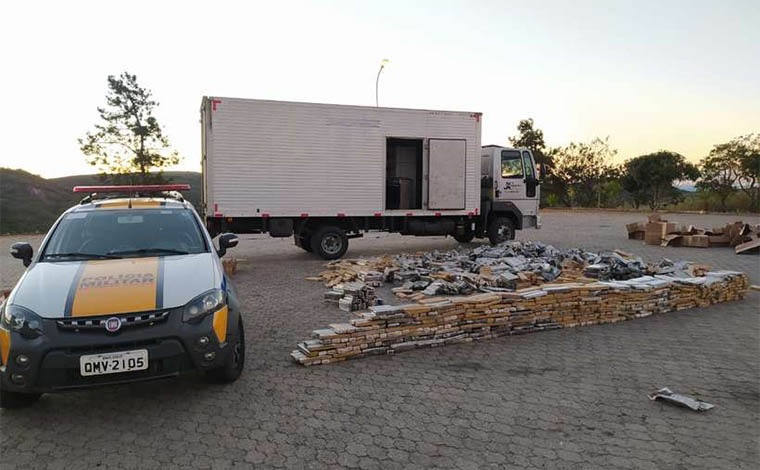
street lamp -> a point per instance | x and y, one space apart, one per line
377 81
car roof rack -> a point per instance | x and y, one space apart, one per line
142 190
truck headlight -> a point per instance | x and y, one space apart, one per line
202 305
22 320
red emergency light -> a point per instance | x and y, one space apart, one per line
145 188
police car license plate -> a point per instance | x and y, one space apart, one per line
113 363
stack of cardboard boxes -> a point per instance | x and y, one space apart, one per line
658 231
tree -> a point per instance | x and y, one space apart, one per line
128 142
532 139
747 151
720 172
649 178
581 170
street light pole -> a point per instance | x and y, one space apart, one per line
377 81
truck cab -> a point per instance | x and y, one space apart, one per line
510 192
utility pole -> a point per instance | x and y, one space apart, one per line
377 82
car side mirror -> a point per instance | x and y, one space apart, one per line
226 240
23 251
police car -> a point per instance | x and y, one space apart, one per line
127 286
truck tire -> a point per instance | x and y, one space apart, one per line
232 369
465 237
329 242
12 400
500 230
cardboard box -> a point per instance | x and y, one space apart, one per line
696 241
719 240
672 239
654 232
636 230
752 246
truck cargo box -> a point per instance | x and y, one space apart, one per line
283 159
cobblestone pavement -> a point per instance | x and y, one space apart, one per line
574 398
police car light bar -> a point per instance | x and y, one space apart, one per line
145 188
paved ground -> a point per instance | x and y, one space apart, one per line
571 398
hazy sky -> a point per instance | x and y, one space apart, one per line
677 75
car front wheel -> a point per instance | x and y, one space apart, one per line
232 369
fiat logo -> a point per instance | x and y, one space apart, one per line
113 324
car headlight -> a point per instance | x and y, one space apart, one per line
22 320
202 305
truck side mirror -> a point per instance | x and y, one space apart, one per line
541 171
226 240
22 251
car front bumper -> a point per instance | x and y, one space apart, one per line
174 348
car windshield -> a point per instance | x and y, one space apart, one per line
118 233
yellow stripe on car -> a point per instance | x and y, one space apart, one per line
117 286
5 345
220 324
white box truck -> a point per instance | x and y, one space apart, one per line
325 173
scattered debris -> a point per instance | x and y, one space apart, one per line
658 231
681 400
439 321
754 287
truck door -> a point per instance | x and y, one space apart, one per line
447 173
515 181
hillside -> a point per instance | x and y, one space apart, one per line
30 203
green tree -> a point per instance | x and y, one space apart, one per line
649 178
532 139
720 172
747 151
128 142
581 170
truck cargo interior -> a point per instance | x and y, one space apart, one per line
403 169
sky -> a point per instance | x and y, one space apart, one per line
651 75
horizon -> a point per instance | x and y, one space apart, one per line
679 76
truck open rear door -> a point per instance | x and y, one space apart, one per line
447 163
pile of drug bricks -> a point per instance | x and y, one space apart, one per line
352 296
440 321
346 270
353 282
745 238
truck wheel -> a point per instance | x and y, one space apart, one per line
232 369
465 237
16 399
329 242
500 230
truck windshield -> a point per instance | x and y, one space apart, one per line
511 166
117 233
